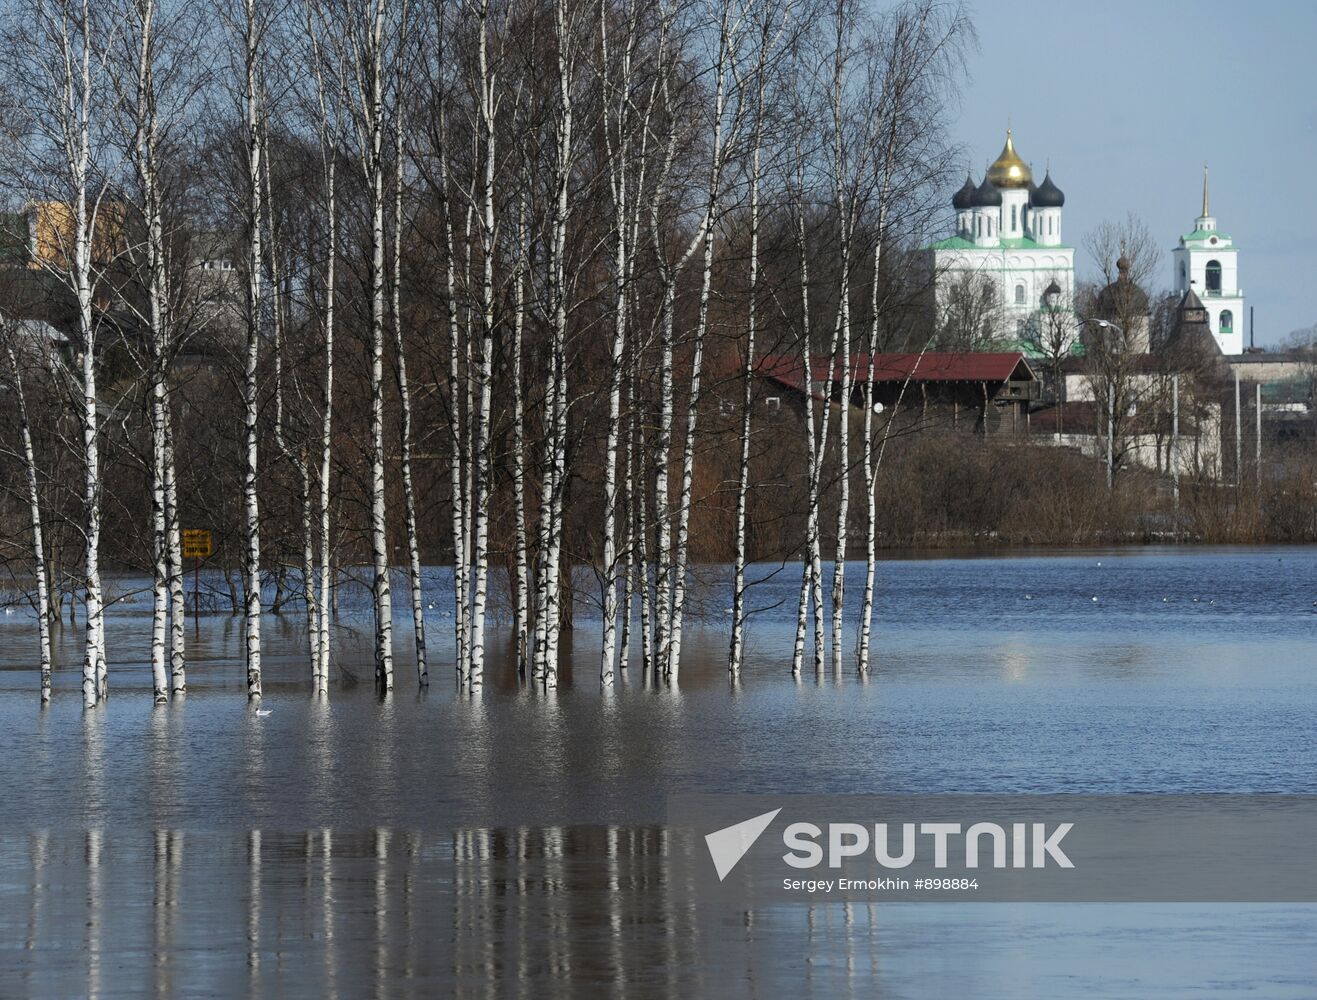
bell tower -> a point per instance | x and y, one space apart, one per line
1206 261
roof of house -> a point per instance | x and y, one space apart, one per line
931 366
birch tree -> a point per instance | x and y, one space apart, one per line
142 100
400 370
548 585
365 27
484 415
62 56
913 62
626 134
328 130
29 461
766 19
844 205
250 28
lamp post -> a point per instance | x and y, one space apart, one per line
1106 326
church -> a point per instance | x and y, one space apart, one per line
1006 265
1206 261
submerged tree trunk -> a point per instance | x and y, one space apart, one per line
321 672
251 403
521 600
811 441
373 115
484 416
38 536
727 30
177 596
549 621
405 405
737 650
456 439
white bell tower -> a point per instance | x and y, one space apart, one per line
1207 261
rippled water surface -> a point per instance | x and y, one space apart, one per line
423 844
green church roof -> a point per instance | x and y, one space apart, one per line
1005 243
1203 235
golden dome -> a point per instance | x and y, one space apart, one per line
1009 171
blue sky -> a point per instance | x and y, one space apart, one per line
1132 98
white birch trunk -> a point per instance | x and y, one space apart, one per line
326 430
483 477
626 223
374 117
845 211
726 54
251 504
143 156
556 439
521 604
870 499
737 650
38 536
815 497
662 461
71 89
328 135
629 544
553 617
641 537
159 542
811 442
76 86
544 527
177 596
455 436
405 405
607 651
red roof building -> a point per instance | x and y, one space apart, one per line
986 384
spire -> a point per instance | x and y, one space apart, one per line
1206 213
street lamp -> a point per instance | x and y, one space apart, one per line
1106 325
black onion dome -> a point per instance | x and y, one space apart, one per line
1047 194
986 195
964 198
1123 297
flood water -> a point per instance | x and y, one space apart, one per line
423 844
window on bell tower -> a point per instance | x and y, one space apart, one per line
1214 276
1227 321
1014 218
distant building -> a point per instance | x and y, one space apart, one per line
1124 303
1006 250
1207 262
983 392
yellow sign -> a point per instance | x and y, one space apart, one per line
197 543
